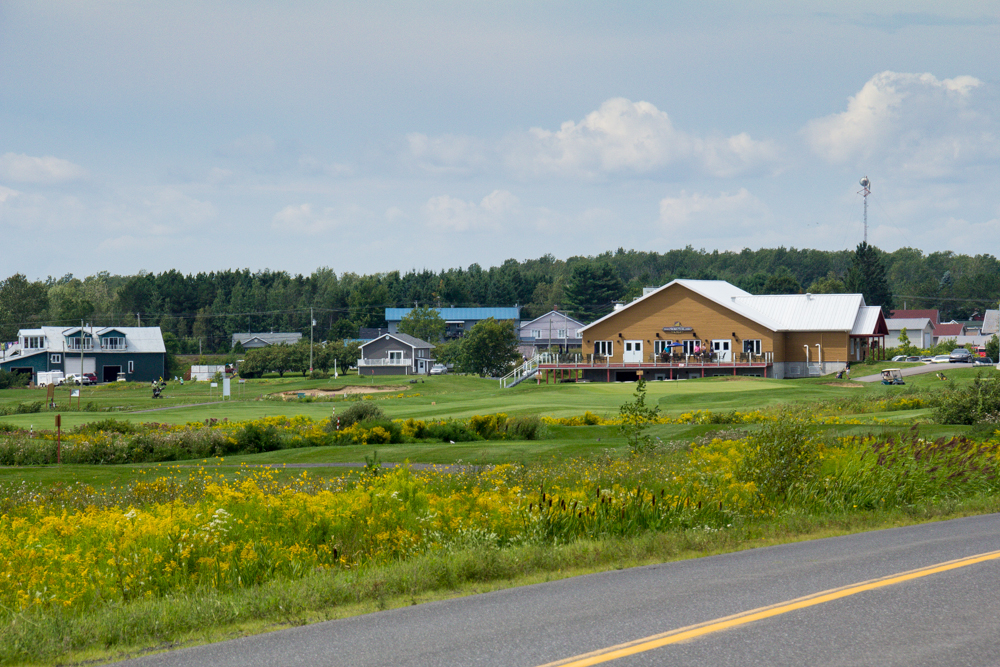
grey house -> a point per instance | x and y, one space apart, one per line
553 329
138 352
395 354
251 341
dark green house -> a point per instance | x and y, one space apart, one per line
138 352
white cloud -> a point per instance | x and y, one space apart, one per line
707 213
44 170
915 123
313 165
445 213
626 136
6 193
302 219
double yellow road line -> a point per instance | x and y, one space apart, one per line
693 631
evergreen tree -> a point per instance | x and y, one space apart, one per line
591 289
867 276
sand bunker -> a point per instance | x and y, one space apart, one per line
849 385
341 391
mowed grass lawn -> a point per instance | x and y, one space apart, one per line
443 397
453 397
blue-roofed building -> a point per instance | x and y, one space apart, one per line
458 320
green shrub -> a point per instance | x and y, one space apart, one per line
781 454
452 431
254 439
359 412
9 380
394 429
975 403
525 428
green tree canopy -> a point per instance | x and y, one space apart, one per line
424 323
591 290
22 305
489 349
867 276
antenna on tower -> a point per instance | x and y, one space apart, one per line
864 192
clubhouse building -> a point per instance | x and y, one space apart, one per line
702 328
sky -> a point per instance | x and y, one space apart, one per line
144 135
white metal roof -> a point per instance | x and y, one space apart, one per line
909 323
867 320
780 312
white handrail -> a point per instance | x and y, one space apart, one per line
521 372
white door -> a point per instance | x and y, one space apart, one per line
722 350
633 351
71 365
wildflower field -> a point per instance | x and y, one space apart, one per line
92 570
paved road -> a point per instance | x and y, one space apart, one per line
945 618
920 370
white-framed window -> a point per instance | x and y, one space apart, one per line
661 346
34 342
604 348
536 333
578 334
113 343
751 346
395 355
561 333
131 366
692 346
55 358
74 343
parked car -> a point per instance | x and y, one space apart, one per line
913 359
941 359
982 361
899 357
439 369
960 355
927 360
76 378
90 378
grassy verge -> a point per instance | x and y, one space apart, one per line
151 626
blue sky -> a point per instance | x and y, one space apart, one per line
371 137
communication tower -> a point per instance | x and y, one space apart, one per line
864 192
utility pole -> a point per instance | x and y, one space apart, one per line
312 323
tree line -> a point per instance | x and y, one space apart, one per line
200 312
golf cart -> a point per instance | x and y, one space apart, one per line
892 376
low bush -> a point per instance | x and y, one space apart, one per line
976 403
359 412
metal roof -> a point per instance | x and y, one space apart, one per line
867 322
405 339
780 312
463 314
272 338
137 339
909 323
991 322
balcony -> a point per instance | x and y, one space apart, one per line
396 361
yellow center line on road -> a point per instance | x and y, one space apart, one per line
693 631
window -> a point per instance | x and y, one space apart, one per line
751 346
690 345
131 366
578 334
34 342
536 333
604 348
113 343
74 343
661 346
55 358
562 333
395 355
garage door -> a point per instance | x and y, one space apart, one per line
72 365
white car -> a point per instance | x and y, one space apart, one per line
439 369
76 378
941 359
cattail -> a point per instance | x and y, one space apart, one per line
335 553
562 504
699 504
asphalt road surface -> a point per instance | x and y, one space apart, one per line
917 370
946 615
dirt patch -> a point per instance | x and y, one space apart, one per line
341 391
849 385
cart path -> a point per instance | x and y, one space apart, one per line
917 370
